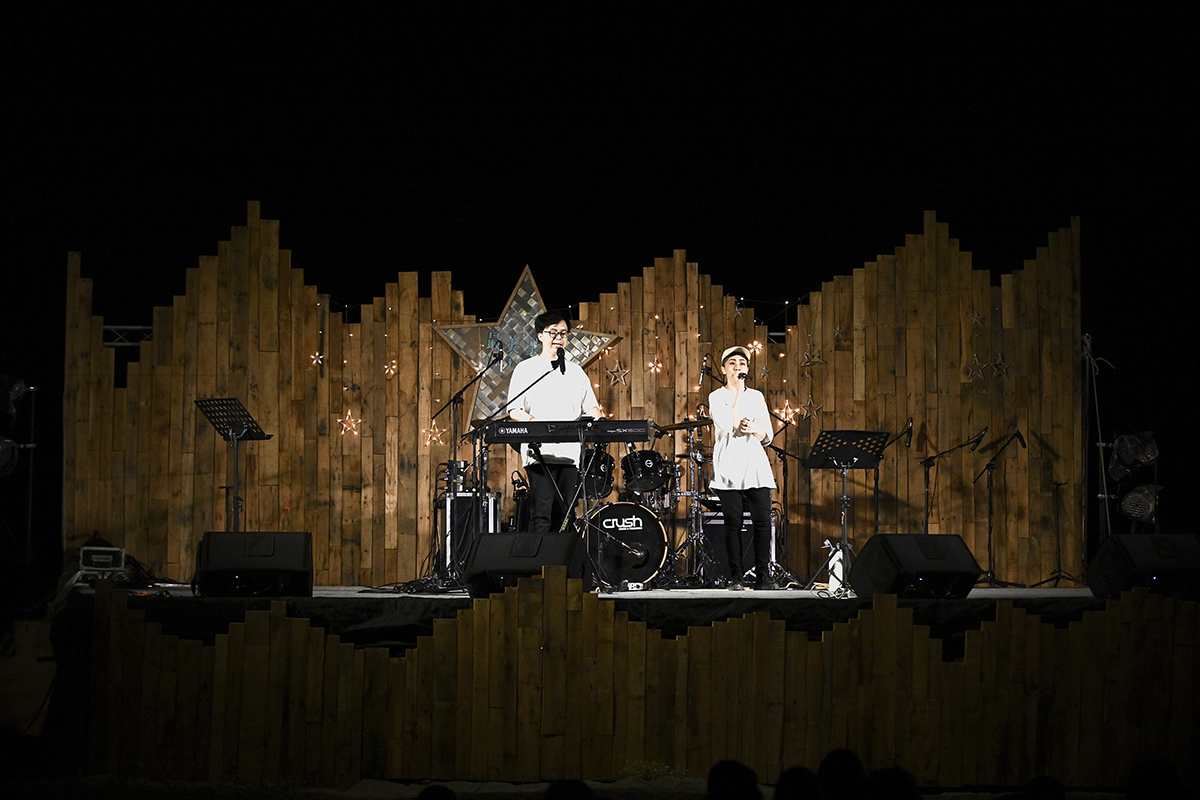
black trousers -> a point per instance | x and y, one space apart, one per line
733 502
546 511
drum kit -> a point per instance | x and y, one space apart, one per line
627 540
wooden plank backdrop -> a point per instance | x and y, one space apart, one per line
917 333
277 699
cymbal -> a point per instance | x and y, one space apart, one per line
687 425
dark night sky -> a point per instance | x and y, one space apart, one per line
586 143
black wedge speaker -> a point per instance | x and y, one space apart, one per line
498 560
237 564
1168 563
916 565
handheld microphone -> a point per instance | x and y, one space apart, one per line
979 438
742 376
562 361
908 433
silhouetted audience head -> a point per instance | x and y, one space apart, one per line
436 791
797 783
732 780
569 790
841 774
891 783
1043 787
1156 779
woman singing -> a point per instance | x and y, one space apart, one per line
741 471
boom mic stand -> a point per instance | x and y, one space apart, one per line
446 568
906 432
989 577
1057 574
929 461
777 573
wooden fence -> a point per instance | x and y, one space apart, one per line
916 334
546 681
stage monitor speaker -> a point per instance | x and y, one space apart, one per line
239 564
1168 563
916 565
498 560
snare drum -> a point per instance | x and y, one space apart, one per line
626 542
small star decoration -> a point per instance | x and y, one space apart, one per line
809 410
433 434
616 374
999 367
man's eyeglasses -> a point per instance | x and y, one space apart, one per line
554 333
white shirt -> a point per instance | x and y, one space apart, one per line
557 397
739 460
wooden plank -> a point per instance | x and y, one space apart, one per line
252 711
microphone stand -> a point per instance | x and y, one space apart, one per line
928 463
448 568
989 577
875 489
776 572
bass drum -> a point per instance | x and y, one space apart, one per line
625 543
645 471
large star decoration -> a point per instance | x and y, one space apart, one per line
513 332
787 412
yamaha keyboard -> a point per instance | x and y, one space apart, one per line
586 430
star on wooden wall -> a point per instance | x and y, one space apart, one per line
616 374
477 342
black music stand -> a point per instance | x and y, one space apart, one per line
844 450
231 419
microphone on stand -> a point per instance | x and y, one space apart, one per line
908 433
562 361
704 366
1020 438
979 438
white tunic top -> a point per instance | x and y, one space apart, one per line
739 460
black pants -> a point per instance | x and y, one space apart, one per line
733 501
546 512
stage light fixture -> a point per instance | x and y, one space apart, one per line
1141 504
8 456
1130 452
